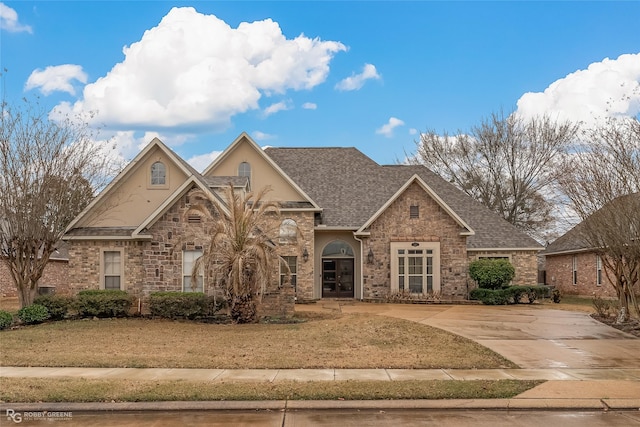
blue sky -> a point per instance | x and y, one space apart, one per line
331 73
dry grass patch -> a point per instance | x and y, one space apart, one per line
572 303
338 341
85 390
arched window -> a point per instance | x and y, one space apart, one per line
337 249
158 174
244 169
288 230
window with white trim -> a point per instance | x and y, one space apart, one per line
574 274
288 231
188 262
112 269
244 169
598 270
415 267
158 174
289 265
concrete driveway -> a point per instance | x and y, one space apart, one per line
530 336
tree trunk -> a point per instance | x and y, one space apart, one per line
244 309
26 293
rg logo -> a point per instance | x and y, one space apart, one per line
14 416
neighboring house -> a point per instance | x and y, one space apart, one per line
349 228
55 277
573 266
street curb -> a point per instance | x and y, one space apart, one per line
281 405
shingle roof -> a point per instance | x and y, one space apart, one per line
574 239
223 181
350 187
101 231
571 241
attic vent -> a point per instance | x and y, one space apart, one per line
414 211
194 219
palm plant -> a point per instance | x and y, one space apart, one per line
240 255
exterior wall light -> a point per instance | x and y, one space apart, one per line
370 257
305 255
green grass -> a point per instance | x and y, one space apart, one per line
93 390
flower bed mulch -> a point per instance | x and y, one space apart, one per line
632 326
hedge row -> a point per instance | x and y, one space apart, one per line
88 303
113 303
510 295
181 305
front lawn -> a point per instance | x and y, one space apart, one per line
93 390
354 341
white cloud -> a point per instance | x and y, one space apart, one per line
202 161
56 78
194 69
413 131
9 20
274 108
387 130
356 81
607 88
309 106
261 136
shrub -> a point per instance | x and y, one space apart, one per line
491 273
490 296
514 293
103 303
535 292
6 319
175 305
556 295
183 305
32 314
57 305
510 295
604 307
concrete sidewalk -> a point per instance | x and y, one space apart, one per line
564 389
276 375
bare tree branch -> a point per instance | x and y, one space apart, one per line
48 171
602 181
507 163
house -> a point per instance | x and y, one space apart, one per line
349 227
55 278
571 263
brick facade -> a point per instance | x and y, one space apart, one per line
433 225
524 262
56 273
560 274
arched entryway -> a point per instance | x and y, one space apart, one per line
337 270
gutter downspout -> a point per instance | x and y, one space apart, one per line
361 266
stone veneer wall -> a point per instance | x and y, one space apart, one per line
56 273
433 225
305 239
156 265
524 262
560 271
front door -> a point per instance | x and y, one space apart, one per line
337 278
